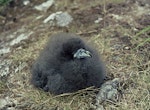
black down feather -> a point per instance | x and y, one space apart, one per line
67 64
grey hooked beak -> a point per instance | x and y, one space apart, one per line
82 53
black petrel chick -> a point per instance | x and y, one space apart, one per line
67 64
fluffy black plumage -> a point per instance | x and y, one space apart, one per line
60 69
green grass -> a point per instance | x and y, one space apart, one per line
144 40
146 29
4 2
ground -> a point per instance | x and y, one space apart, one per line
118 29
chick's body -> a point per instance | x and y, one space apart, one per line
58 71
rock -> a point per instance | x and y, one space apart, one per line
7 103
127 48
5 67
118 17
60 19
117 47
44 6
21 37
3 103
108 91
8 41
4 50
39 17
26 2
98 20
99 107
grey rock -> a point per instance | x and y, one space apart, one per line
44 6
5 67
108 91
7 103
117 17
11 108
98 20
60 19
117 47
9 40
4 50
3 103
26 2
21 37
100 107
